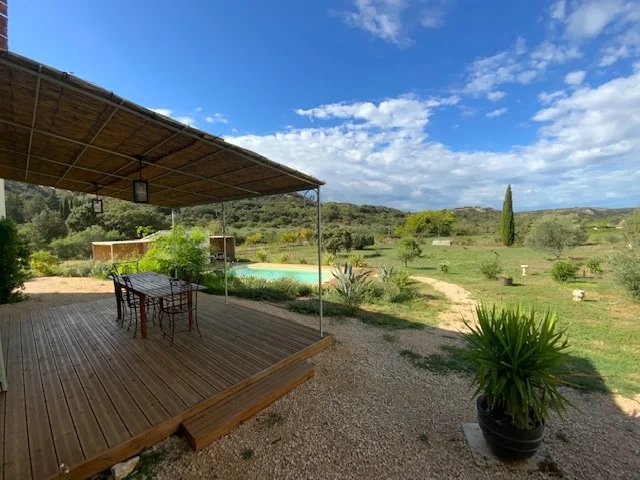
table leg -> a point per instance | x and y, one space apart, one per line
190 307
143 315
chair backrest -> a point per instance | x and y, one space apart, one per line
129 294
179 291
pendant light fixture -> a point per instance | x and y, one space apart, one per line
96 203
140 188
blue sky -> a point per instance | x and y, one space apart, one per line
412 104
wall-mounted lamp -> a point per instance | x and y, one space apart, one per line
140 188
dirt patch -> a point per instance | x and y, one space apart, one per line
462 303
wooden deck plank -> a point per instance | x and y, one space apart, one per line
87 428
133 418
16 451
133 350
89 366
151 407
65 437
41 448
125 345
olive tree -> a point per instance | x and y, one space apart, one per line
554 234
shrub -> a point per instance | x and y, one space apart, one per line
626 268
563 271
360 241
554 234
303 260
284 257
262 255
490 268
328 258
13 261
395 294
519 362
336 240
594 265
401 279
43 263
179 250
444 267
357 260
409 250
78 245
386 272
349 286
75 268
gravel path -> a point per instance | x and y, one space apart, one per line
367 413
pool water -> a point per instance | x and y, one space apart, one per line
273 273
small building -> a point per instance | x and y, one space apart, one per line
120 249
216 244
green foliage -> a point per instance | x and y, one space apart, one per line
594 265
386 272
357 260
362 241
554 234
247 454
443 267
350 287
43 263
78 245
490 268
312 307
625 263
254 238
81 217
631 228
13 261
508 224
328 258
289 237
337 240
284 257
126 217
409 250
262 255
254 288
519 362
44 227
428 223
180 250
144 231
563 271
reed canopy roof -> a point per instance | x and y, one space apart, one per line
60 131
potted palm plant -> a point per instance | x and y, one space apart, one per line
519 368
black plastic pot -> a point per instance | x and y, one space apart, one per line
506 440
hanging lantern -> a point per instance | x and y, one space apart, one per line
96 203
140 188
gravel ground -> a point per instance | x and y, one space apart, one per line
367 413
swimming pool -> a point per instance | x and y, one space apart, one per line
305 275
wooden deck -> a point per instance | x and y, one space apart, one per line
84 393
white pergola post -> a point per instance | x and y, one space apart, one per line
3 371
224 252
319 227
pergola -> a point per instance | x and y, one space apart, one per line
60 131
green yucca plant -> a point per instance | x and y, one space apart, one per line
519 362
350 287
386 272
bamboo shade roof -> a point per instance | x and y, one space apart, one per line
60 131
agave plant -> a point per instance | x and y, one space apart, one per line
350 287
386 272
519 362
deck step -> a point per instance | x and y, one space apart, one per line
218 420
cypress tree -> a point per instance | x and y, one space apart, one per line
508 227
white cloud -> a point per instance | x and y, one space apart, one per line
548 97
216 117
391 20
495 96
558 10
162 111
496 113
186 119
575 78
588 144
515 65
591 17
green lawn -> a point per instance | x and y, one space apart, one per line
604 329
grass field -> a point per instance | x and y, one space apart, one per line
604 329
